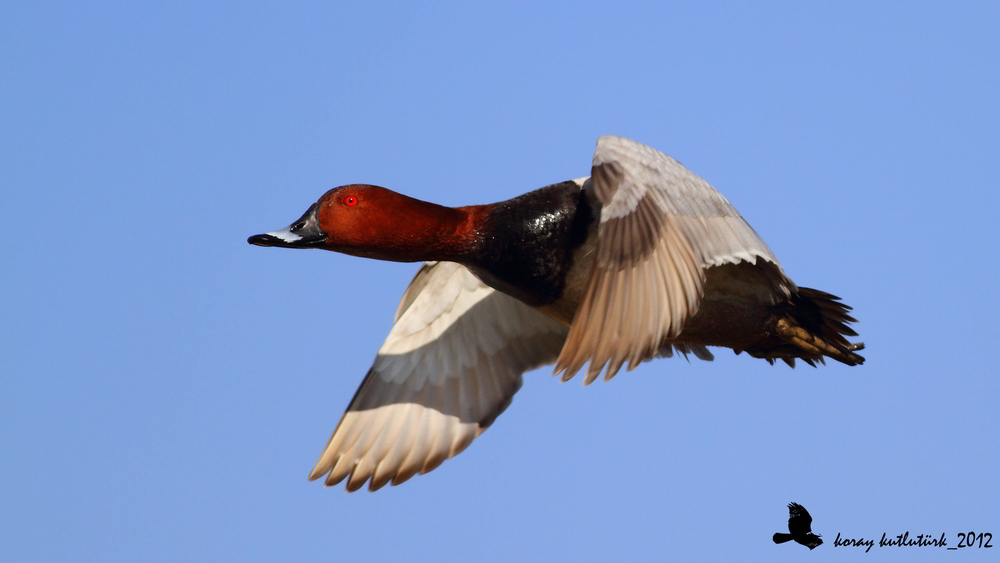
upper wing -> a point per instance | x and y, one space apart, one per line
799 521
661 226
451 363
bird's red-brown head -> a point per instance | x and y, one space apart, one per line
375 222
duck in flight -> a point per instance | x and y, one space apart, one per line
640 260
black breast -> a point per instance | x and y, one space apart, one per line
528 242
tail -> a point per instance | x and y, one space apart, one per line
781 538
812 541
813 325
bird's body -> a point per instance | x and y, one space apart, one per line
642 259
799 527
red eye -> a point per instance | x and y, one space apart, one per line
350 201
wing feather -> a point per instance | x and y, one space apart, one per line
450 365
661 226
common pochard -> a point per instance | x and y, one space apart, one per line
640 260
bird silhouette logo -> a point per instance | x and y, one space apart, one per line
800 528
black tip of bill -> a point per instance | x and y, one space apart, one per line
265 240
286 238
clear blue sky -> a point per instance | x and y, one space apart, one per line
166 387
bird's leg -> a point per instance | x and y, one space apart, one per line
813 344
